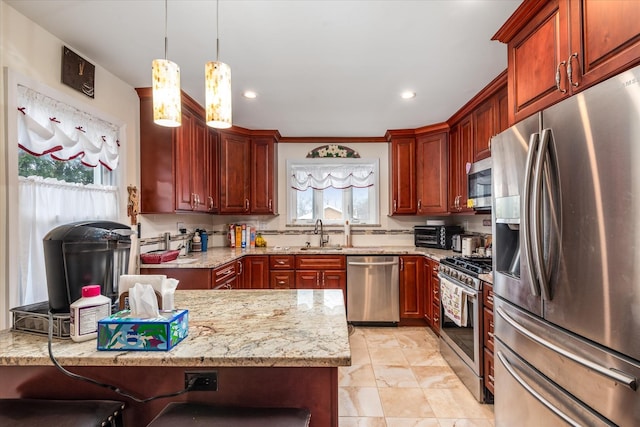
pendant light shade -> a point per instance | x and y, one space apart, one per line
217 81
218 94
167 109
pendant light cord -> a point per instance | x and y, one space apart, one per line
166 39
217 31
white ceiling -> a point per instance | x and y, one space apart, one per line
320 67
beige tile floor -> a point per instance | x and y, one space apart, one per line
397 378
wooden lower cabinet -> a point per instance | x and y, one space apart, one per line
255 272
411 287
188 278
488 337
282 279
225 276
321 272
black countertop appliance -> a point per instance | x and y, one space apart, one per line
85 253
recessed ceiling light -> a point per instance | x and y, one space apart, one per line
408 95
249 94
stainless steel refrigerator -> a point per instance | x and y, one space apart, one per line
566 229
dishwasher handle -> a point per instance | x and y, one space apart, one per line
372 263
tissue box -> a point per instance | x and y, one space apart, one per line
121 331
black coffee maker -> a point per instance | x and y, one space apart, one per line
85 253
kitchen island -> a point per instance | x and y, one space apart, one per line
275 348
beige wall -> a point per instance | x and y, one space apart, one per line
30 54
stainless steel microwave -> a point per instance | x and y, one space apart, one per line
479 185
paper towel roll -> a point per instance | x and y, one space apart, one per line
347 234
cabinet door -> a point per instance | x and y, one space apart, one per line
535 55
188 278
213 171
432 171
484 119
411 287
606 36
403 176
200 165
460 156
156 160
184 147
489 374
307 279
263 176
235 173
255 272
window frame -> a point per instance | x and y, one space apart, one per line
347 196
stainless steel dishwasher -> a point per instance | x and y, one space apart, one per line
373 290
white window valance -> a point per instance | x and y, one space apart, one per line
48 126
337 175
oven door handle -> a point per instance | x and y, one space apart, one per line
472 295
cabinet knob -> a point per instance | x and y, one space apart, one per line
210 203
280 262
420 204
270 204
395 206
246 205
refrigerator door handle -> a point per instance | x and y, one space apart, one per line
610 373
534 393
526 210
538 254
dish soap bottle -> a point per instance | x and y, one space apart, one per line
86 312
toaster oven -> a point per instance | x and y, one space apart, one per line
435 236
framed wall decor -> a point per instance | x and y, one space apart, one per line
77 72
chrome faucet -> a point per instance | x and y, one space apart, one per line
323 241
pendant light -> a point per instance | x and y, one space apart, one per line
166 87
218 88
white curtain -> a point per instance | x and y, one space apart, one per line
340 176
43 205
47 126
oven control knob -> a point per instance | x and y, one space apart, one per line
469 281
454 274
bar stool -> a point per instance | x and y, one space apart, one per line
60 413
185 414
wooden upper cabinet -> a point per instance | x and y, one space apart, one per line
460 155
402 173
175 163
489 119
248 172
560 47
235 173
431 173
264 172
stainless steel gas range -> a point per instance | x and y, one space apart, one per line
461 318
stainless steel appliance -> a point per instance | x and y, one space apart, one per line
566 276
435 236
479 185
456 243
373 289
461 341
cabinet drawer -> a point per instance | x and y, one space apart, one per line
489 375
281 262
321 262
224 273
283 280
488 329
487 296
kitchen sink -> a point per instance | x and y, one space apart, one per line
323 248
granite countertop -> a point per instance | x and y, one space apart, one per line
215 257
239 328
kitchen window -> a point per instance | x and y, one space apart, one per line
333 190
67 171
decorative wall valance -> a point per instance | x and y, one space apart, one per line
47 126
333 150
